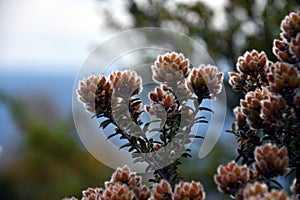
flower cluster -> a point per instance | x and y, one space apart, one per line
126 185
183 190
257 191
231 178
170 67
288 49
268 116
284 79
235 180
252 72
271 161
206 81
94 92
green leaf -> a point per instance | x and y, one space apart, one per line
206 109
105 123
201 121
112 135
125 145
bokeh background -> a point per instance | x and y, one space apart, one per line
45 42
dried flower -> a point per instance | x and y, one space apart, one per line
231 178
290 26
251 107
88 88
162 191
284 79
170 67
92 194
118 192
206 81
274 110
271 161
185 190
126 83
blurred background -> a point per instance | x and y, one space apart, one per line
43 45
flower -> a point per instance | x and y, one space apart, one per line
91 89
231 178
253 63
290 26
118 191
162 101
271 161
206 81
274 110
240 119
281 50
170 67
126 83
254 191
252 68
277 195
142 193
162 191
251 107
124 176
92 194
284 79
185 190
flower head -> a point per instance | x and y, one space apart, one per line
118 192
126 83
125 176
231 178
251 107
162 191
271 161
284 79
254 191
170 67
206 81
92 194
93 92
290 26
162 101
185 190
274 110
252 71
